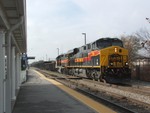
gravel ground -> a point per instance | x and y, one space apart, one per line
127 94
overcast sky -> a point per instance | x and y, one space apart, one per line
53 24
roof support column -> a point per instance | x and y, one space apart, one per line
18 71
13 74
8 77
2 70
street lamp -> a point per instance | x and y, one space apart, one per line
58 51
84 37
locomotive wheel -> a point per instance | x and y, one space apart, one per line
66 71
101 79
88 74
94 75
104 80
101 75
62 71
73 72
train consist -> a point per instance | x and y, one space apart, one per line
104 59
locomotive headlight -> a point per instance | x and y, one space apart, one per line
115 50
111 64
126 64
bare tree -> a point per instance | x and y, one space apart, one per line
144 36
132 43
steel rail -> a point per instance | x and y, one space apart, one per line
105 101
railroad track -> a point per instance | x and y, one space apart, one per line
126 87
84 86
134 89
106 101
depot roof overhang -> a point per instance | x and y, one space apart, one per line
10 13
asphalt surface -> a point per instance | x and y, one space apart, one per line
38 95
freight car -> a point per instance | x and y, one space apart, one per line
50 65
104 59
46 65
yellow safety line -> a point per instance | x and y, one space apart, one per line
83 66
86 100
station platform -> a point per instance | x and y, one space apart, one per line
39 95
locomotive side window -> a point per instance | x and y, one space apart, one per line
94 46
89 46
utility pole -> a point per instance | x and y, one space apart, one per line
84 37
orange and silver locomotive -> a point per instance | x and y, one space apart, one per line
104 59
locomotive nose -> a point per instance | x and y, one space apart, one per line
115 60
